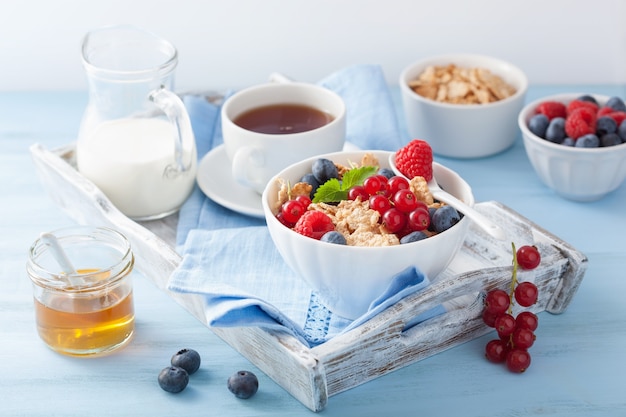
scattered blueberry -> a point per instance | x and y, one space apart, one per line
610 139
605 125
188 359
444 218
324 169
538 124
589 98
413 237
243 384
387 173
588 141
556 130
173 379
616 103
333 237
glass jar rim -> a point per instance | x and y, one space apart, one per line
90 280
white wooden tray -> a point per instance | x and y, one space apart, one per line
379 346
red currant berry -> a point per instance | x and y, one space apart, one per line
528 257
419 219
384 185
489 318
282 220
421 204
497 301
526 293
527 320
397 183
496 351
373 184
523 338
380 203
405 201
518 360
356 192
505 325
304 200
394 220
292 210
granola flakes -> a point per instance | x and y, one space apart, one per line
357 223
460 85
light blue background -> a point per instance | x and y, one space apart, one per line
234 43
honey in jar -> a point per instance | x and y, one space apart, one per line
88 311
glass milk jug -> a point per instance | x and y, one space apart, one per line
135 140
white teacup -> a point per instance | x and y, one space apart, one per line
257 156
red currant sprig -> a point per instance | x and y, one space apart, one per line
516 334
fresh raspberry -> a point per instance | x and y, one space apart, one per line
577 104
580 122
618 116
416 159
551 109
314 224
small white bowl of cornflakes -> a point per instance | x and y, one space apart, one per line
349 278
464 105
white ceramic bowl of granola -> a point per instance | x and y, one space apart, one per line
464 130
577 174
349 278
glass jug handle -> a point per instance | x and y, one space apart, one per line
174 109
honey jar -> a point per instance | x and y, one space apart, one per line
82 289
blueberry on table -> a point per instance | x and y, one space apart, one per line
173 379
188 359
243 384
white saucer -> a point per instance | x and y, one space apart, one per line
216 181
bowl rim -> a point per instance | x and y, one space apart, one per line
450 58
272 219
528 110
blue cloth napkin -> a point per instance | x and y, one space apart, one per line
231 259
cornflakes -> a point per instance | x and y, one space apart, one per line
459 85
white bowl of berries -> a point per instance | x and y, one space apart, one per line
465 105
345 250
576 143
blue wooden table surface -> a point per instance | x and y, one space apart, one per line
579 358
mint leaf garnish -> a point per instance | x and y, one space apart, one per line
333 191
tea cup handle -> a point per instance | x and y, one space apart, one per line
246 160
185 142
